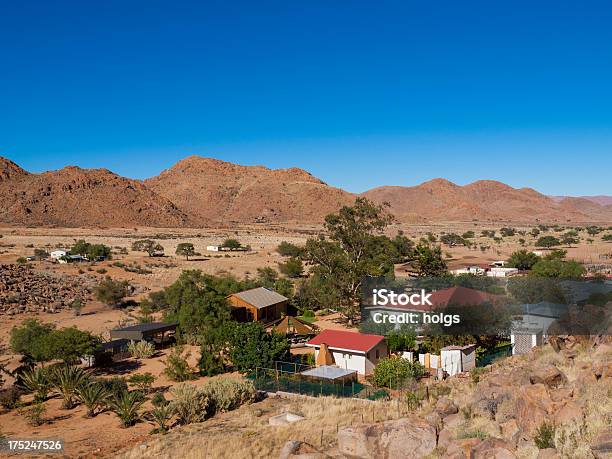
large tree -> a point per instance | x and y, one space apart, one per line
352 248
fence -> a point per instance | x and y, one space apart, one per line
494 354
287 377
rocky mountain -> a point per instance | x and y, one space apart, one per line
602 200
483 200
201 191
81 197
210 190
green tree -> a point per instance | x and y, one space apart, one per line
111 292
250 346
428 261
70 344
292 268
232 244
196 301
29 339
185 249
394 372
547 242
452 239
147 245
286 249
266 277
522 259
352 249
559 268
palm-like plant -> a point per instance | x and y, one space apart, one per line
67 379
94 396
126 406
161 414
37 381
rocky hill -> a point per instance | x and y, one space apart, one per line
201 191
81 197
483 200
210 190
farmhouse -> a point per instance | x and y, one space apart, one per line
258 305
349 350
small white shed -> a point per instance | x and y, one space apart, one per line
57 254
458 359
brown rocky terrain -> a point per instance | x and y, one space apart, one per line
23 289
81 197
210 190
203 192
483 200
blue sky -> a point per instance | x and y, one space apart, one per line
361 94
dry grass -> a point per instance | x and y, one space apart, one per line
246 433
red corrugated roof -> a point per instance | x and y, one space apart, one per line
346 340
461 296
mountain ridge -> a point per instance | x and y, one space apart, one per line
201 191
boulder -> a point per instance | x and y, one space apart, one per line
493 448
295 449
533 407
548 375
445 406
402 438
548 453
510 431
568 412
601 447
461 449
453 420
445 437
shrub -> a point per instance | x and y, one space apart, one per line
143 382
286 249
111 292
126 406
395 371
162 414
67 379
545 435
475 374
9 398
228 394
37 381
21 260
76 306
292 268
94 396
141 349
190 404
29 339
101 271
34 413
158 399
114 386
472 434
177 367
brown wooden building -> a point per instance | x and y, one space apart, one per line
258 304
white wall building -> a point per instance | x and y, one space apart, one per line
458 359
351 350
57 254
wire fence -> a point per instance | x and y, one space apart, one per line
287 377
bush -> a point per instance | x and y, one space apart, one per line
76 306
38 382
29 339
111 292
9 398
114 386
126 406
67 379
177 367
292 268
162 414
94 396
21 260
143 382
545 436
141 349
395 371
34 413
286 249
227 394
158 399
190 404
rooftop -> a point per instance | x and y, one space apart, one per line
329 372
352 341
148 327
260 297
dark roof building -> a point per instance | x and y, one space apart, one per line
146 332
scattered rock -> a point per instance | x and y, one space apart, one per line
445 407
548 453
403 438
493 448
510 431
602 445
548 375
533 407
295 449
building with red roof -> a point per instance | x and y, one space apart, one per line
350 350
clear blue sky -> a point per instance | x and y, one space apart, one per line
359 93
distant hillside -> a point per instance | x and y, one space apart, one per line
81 197
601 199
203 191
210 190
